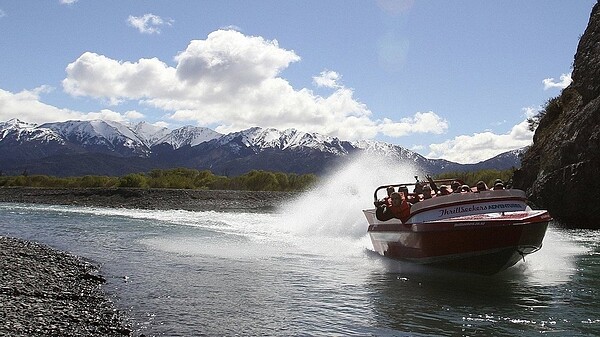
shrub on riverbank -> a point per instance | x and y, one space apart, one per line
180 178
471 178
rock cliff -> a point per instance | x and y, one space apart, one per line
561 170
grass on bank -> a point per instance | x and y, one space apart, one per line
179 178
184 178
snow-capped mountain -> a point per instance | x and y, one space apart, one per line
259 139
110 148
187 136
20 132
101 136
149 133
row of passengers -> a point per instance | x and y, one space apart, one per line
397 204
456 187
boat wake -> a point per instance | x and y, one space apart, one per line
334 208
554 264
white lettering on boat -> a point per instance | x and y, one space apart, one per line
478 208
496 206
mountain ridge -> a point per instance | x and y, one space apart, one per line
69 148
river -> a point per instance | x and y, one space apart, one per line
308 269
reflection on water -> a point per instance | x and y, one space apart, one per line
537 296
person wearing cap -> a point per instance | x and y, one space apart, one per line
465 189
498 186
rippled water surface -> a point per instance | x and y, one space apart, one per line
309 270
207 273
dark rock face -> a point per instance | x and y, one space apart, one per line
560 171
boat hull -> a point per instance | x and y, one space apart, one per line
484 244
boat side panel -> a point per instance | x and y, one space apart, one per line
468 208
445 246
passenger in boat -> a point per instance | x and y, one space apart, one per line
418 188
481 186
427 192
409 198
432 184
399 209
498 184
455 187
444 190
465 189
387 199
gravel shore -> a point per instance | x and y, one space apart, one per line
45 292
191 200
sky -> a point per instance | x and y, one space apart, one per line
454 80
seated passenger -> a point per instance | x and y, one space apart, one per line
498 185
404 190
426 192
465 189
432 184
443 190
399 209
481 186
389 190
418 188
455 187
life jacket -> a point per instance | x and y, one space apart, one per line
401 212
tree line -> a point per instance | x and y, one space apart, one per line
180 178
184 178
471 178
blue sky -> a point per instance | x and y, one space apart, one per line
447 79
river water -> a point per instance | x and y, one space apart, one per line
308 269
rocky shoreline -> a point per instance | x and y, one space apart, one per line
154 198
45 292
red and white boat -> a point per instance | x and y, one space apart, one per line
484 232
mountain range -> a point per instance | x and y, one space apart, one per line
100 147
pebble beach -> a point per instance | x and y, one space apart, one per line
46 292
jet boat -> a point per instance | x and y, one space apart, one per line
480 232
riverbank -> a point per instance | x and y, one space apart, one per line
45 292
154 198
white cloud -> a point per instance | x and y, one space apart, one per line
148 23
422 122
68 2
467 149
232 80
26 106
132 114
565 80
327 79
